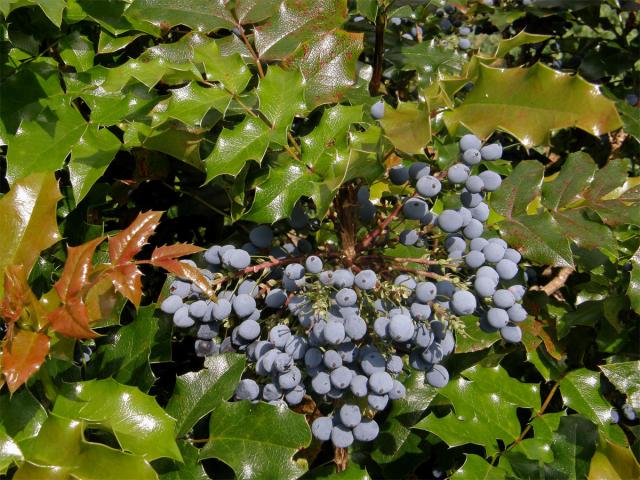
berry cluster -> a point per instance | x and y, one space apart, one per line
343 328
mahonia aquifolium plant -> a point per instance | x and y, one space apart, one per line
341 323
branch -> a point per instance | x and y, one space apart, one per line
378 56
377 231
253 53
557 283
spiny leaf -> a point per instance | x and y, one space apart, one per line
126 244
127 280
10 452
519 189
198 393
247 141
126 355
328 65
166 257
22 356
254 11
90 158
625 376
230 70
55 130
522 38
138 422
28 219
276 434
177 250
574 177
530 103
408 127
77 269
613 462
203 17
477 468
59 451
72 319
280 105
296 22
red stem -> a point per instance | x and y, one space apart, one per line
378 230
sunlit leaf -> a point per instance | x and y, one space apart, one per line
22 356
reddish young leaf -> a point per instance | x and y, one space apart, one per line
77 269
126 244
23 356
174 251
15 293
126 280
72 319
184 270
102 301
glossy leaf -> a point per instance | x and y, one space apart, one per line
28 219
198 393
624 375
55 131
235 148
404 414
22 356
190 103
166 257
21 415
522 38
296 22
127 281
575 176
525 102
77 50
613 462
72 319
77 269
190 467
280 105
230 70
137 421
90 158
473 338
274 436
484 408
327 81
253 11
519 189
125 356
126 244
202 17
59 451
408 127
10 452
476 468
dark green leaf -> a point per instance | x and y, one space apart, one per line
624 375
477 468
90 158
77 50
189 469
10 452
573 179
198 393
519 189
21 415
126 356
257 440
137 421
202 17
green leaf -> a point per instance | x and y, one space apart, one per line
257 440
522 38
286 184
613 462
624 375
254 11
55 131
330 133
189 469
529 103
395 432
52 9
630 118
328 81
473 338
280 105
484 408
126 356
328 471
580 391
90 158
540 446
519 189
408 127
77 50
427 58
10 452
202 17
109 43
230 70
368 9
296 22
198 393
137 421
540 239
21 415
575 176
109 15
477 468
181 144
59 451
587 313
247 141
189 104
28 219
